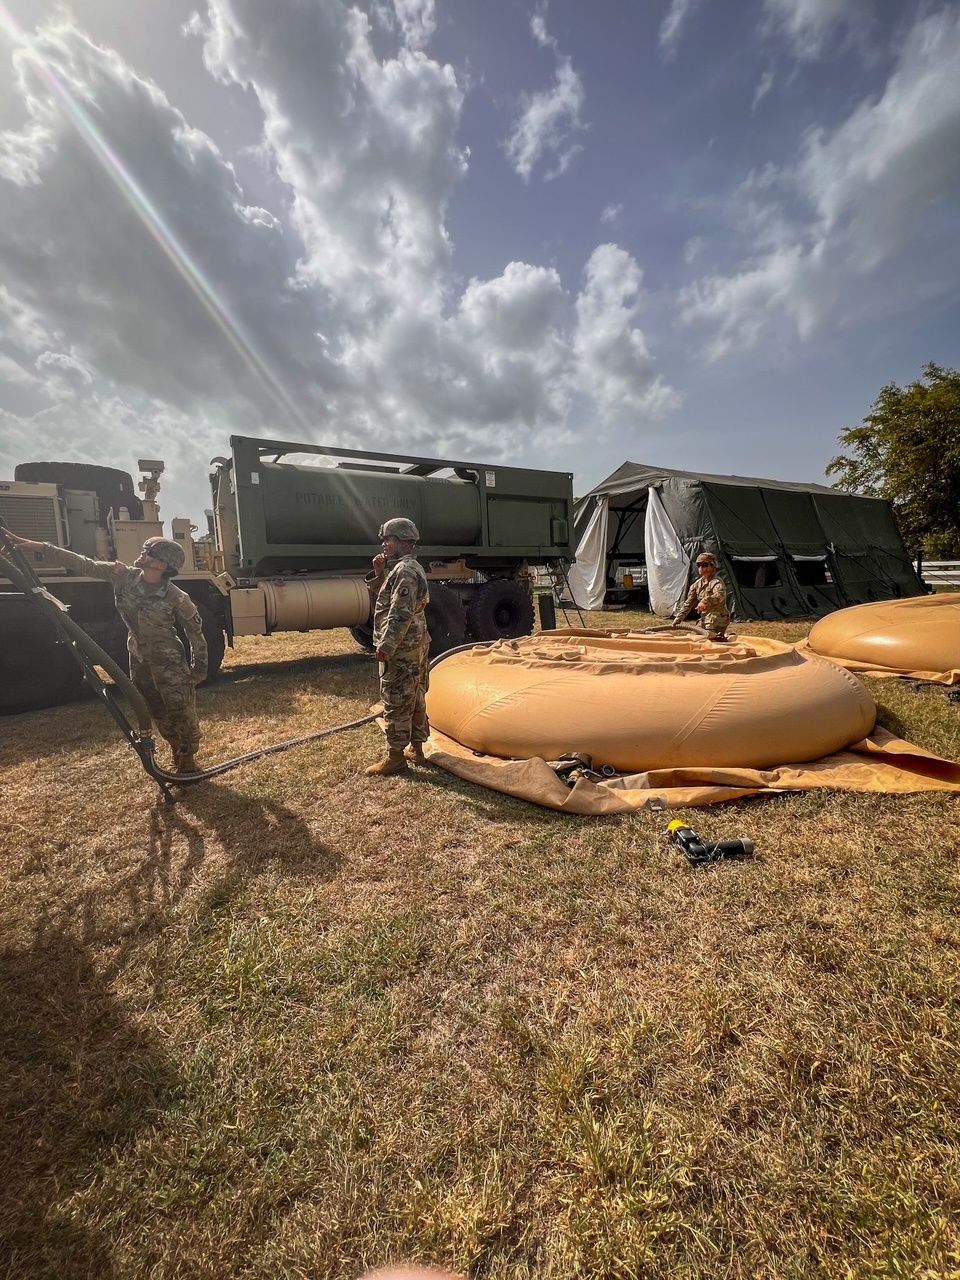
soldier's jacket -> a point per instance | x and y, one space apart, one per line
712 595
399 627
150 610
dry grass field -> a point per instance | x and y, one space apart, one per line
306 1022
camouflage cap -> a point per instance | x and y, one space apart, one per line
171 553
707 557
401 528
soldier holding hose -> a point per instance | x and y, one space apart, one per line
152 607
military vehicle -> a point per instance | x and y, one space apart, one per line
287 548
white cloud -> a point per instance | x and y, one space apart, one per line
88 243
810 26
417 21
13 372
615 367
352 327
368 147
671 28
762 89
611 213
549 119
855 199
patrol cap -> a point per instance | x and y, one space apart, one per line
401 528
707 557
171 553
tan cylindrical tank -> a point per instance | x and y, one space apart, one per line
316 604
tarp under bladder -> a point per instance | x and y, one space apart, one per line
679 718
785 550
918 638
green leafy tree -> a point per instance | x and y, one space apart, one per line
907 449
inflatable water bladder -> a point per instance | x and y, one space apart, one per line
918 637
639 702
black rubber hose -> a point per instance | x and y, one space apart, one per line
58 614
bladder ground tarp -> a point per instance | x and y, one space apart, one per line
681 722
919 638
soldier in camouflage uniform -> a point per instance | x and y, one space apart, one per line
708 596
402 643
152 607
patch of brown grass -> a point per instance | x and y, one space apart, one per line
307 1021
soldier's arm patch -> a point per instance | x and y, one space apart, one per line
403 591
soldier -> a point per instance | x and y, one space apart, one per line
152 606
708 596
402 643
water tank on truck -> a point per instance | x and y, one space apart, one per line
482 527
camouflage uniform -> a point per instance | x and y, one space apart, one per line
158 665
400 634
715 617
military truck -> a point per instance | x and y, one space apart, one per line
287 547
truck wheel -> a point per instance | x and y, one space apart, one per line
500 610
113 640
216 642
363 636
35 670
446 620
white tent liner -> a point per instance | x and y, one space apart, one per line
667 560
588 576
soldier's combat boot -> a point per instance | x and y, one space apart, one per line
414 753
186 762
392 762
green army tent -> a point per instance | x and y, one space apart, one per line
785 550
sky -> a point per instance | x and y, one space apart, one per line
552 234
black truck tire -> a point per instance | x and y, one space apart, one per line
213 634
216 641
36 671
363 635
500 610
446 620
114 488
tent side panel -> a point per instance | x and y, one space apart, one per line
754 565
872 561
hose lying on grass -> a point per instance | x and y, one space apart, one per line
139 730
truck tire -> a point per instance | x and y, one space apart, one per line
213 634
114 488
113 640
35 670
500 610
216 641
363 636
446 620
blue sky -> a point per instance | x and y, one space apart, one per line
686 233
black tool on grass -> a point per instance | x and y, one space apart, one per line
697 852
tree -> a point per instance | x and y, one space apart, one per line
907 449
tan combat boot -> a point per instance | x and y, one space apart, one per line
186 762
392 762
414 753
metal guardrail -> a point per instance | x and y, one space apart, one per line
941 573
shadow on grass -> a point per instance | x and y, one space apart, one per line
316 665
251 833
247 833
77 1081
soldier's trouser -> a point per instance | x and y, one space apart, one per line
715 624
403 688
172 700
